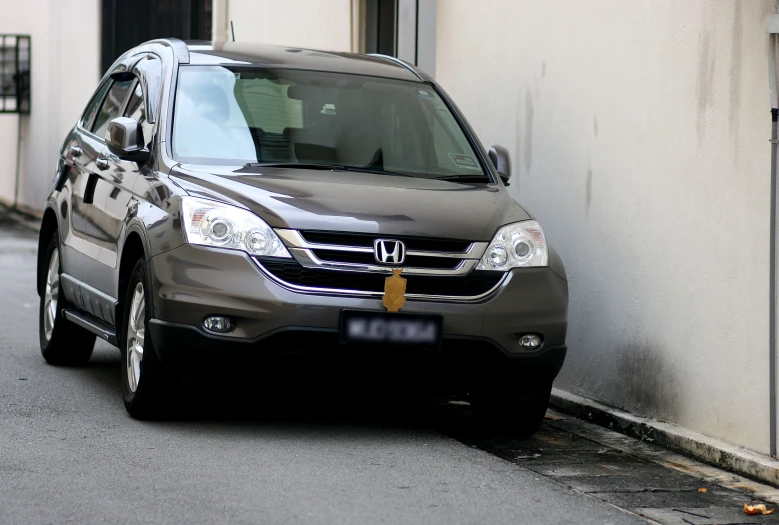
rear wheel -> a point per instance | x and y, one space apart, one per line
145 384
516 411
62 342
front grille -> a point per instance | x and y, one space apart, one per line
415 261
365 240
474 284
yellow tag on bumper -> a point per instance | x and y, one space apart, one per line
394 291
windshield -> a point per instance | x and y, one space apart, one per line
237 115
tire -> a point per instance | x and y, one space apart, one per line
146 385
516 412
62 342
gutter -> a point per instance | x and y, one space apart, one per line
667 435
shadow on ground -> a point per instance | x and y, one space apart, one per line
298 404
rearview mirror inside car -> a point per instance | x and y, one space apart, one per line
502 161
124 138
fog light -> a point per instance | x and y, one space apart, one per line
530 341
218 324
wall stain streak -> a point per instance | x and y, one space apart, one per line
595 125
588 191
736 62
528 142
705 81
649 385
543 69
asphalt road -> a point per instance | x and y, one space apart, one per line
70 454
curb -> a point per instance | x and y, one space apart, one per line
703 448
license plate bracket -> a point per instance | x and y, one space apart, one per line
417 331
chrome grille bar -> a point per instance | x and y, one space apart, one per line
293 239
303 252
364 293
307 258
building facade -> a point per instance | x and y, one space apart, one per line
639 134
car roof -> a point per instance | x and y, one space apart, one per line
266 55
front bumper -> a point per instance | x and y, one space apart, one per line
192 283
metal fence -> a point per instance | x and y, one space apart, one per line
15 74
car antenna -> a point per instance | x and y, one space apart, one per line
232 30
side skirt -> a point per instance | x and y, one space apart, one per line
93 324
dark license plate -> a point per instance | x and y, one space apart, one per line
395 329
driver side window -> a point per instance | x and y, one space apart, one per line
112 105
94 104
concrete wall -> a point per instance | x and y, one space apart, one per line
639 132
65 71
319 24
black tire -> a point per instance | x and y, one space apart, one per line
149 398
513 411
62 342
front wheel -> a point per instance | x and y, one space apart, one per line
145 384
62 342
517 411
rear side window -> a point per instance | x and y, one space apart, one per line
112 105
97 98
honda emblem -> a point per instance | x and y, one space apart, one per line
389 252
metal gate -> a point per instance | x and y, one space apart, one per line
127 23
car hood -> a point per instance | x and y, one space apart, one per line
361 202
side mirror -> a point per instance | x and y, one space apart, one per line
124 138
502 161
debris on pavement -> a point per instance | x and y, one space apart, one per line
702 489
757 509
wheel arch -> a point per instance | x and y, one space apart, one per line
134 248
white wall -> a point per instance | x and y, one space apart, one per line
639 132
65 71
318 24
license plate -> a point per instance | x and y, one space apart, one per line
391 329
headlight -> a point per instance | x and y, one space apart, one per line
516 245
210 223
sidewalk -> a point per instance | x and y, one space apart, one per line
673 437
639 477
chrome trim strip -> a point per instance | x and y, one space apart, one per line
341 291
307 259
475 251
293 239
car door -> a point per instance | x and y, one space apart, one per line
113 196
103 185
79 157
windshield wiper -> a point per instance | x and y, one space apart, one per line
316 166
465 179
378 171
302 165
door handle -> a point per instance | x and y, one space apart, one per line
102 163
75 151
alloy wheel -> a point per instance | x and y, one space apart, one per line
51 294
136 333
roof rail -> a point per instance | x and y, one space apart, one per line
179 47
401 63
